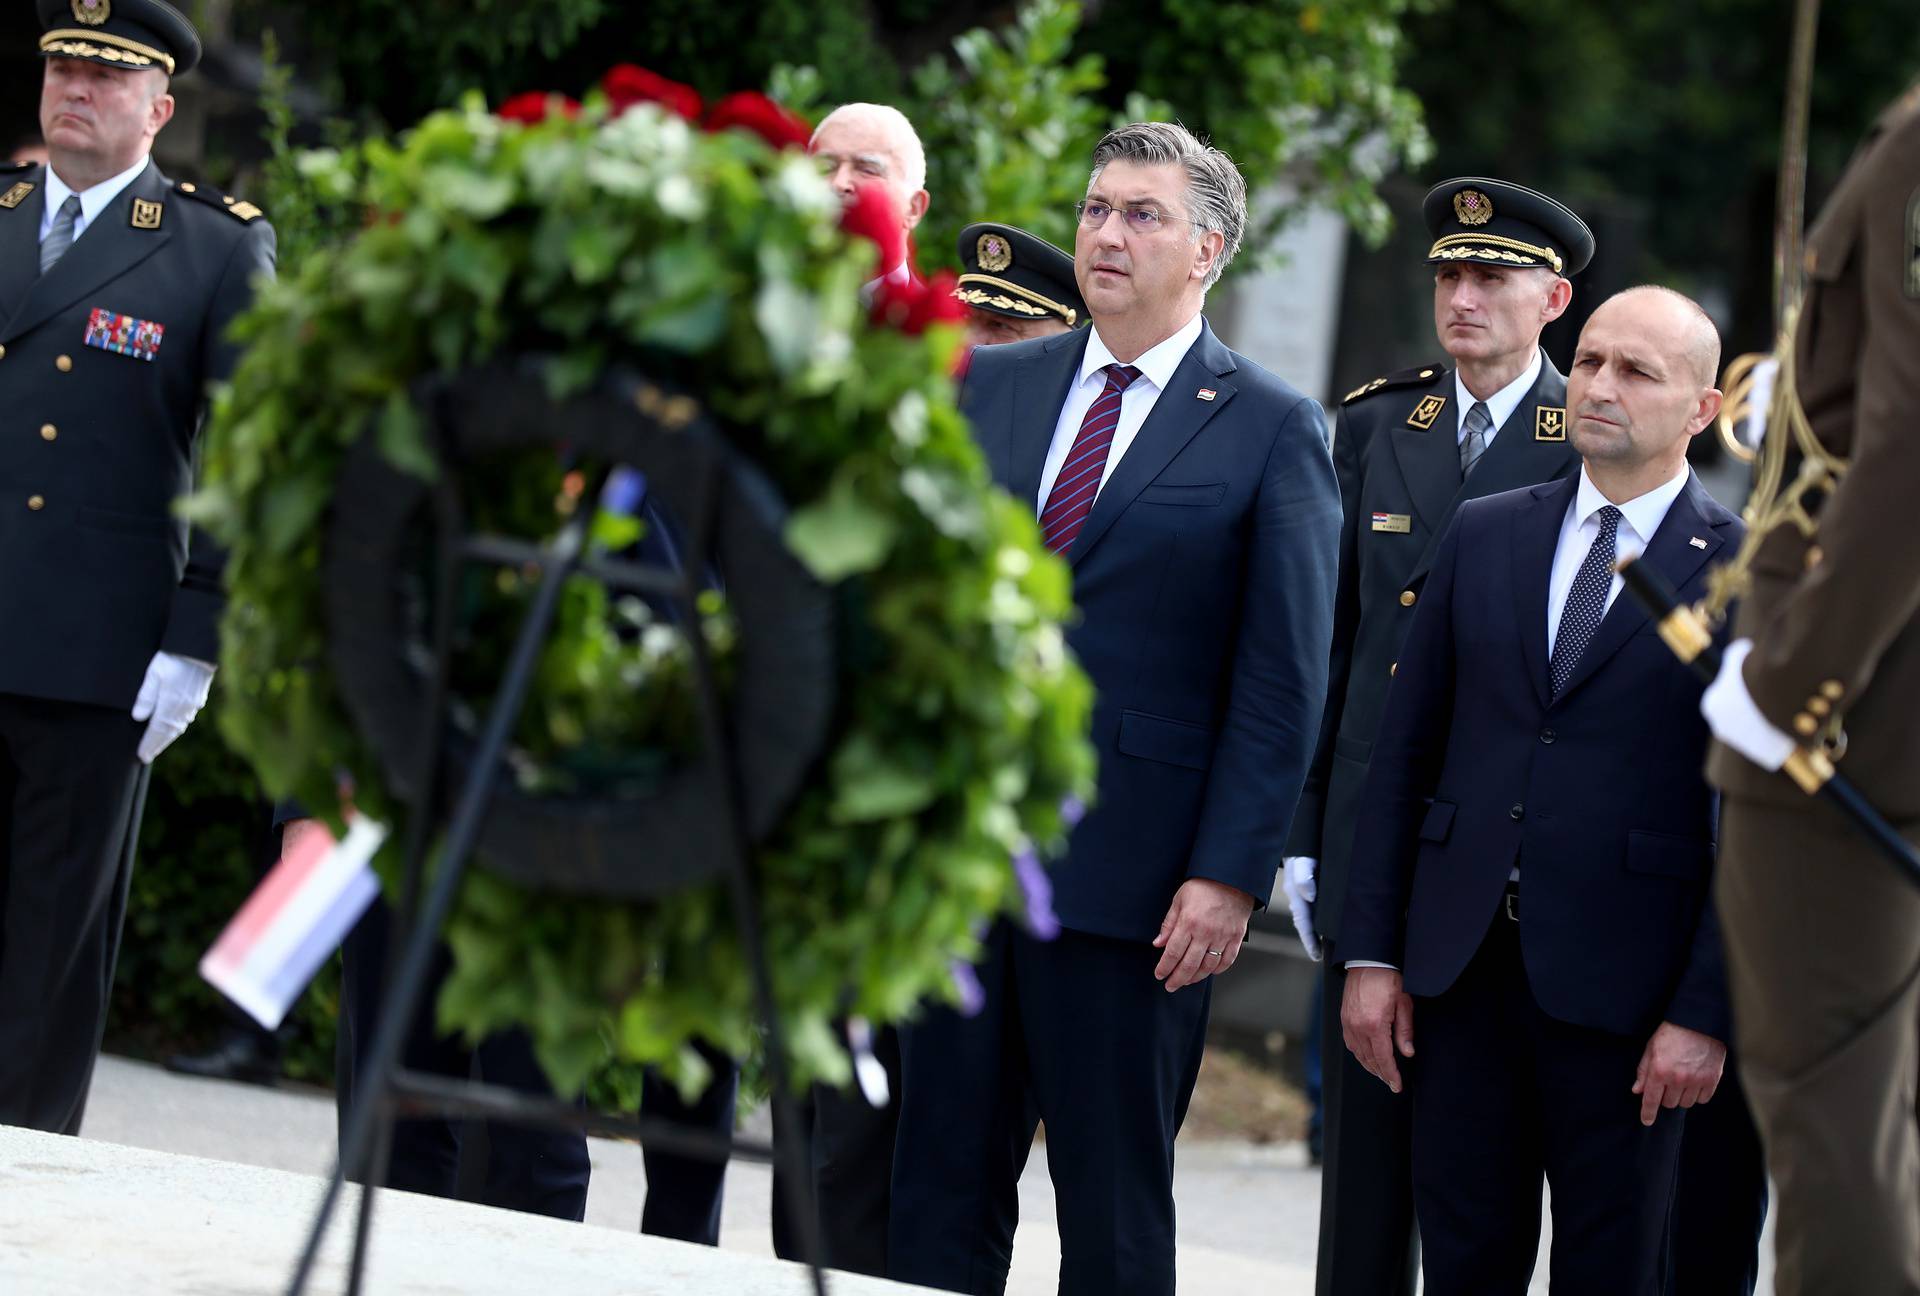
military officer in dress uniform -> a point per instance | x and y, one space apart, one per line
1015 285
1408 448
1822 938
116 289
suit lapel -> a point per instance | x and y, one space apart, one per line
1178 415
1673 554
1536 533
108 248
20 245
1040 388
1430 465
1516 458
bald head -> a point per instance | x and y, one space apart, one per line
864 143
1642 386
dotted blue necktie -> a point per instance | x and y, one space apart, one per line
1586 602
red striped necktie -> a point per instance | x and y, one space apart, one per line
1071 498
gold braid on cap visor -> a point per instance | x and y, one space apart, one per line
71 42
1491 247
978 298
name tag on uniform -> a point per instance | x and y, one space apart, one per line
1397 523
124 335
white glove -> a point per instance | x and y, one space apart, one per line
1736 720
1297 880
170 697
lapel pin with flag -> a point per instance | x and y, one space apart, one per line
1696 542
1206 393
295 918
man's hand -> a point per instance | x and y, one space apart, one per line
1297 881
171 695
1201 934
1680 1067
1376 1017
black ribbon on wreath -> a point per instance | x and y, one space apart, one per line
399 550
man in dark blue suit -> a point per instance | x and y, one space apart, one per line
1193 495
1530 879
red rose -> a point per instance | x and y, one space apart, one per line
751 110
916 304
627 85
872 214
532 106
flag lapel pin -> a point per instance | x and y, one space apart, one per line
1206 393
1697 542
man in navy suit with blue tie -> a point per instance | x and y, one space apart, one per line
1193 495
1529 888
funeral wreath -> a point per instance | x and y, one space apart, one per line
639 231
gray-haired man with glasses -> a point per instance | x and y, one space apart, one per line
1193 496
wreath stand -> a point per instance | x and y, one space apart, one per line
757 744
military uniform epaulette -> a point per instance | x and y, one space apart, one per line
9 168
238 208
1423 376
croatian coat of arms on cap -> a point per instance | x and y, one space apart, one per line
995 253
1472 207
92 12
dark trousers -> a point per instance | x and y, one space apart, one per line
1075 1032
684 1193
68 776
541 1171
1368 1243
1720 1200
1503 1095
847 1145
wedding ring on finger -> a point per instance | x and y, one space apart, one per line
1213 953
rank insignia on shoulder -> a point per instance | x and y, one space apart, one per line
1426 412
1393 523
123 334
147 214
15 196
1421 377
238 208
1550 423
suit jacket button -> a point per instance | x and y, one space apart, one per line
1518 812
1547 736
1393 668
3 353
1805 725
1406 598
48 431
63 363
36 502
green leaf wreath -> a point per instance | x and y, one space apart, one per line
633 238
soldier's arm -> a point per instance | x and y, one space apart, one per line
193 622
1839 619
1304 836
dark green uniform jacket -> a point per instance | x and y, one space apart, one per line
104 367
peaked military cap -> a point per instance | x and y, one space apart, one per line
137 34
1473 218
1010 272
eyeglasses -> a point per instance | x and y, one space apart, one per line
1141 220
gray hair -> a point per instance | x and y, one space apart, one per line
1216 191
913 157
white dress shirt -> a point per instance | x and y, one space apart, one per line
1500 405
897 276
92 201
1640 517
1156 366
